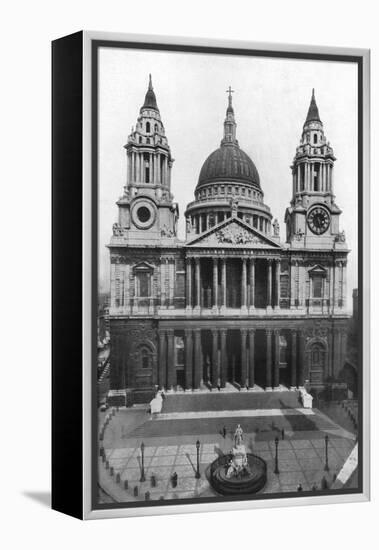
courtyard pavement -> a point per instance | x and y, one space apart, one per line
170 448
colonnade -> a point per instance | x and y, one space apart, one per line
247 282
158 164
304 177
203 222
219 374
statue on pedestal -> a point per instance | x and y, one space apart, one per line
238 465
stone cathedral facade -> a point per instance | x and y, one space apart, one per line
231 305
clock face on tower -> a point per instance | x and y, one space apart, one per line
318 220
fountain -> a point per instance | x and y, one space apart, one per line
238 472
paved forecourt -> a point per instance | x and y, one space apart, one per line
170 447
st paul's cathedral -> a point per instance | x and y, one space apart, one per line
231 306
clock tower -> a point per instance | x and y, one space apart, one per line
312 221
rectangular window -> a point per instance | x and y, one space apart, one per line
143 284
317 286
179 349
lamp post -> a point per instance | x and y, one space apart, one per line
276 471
143 463
326 454
197 475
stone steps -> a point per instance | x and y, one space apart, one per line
223 401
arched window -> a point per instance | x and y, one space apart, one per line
156 127
148 127
314 138
145 362
140 139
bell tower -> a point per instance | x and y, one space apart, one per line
312 221
147 202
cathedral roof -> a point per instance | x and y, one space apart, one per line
313 114
229 163
150 99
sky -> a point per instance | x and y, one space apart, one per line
270 101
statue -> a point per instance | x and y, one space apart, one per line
234 206
238 435
117 230
238 464
166 232
341 238
189 226
275 225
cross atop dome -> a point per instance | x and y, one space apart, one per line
229 91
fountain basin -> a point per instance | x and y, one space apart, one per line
243 484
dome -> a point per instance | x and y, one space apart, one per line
229 163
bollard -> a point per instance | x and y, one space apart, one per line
101 436
153 481
107 464
103 457
126 484
135 491
101 451
111 471
147 495
118 478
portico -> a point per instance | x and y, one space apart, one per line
246 357
235 281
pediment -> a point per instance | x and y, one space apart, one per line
317 270
143 266
235 233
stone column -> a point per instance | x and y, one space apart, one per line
171 381
252 283
251 380
298 178
224 364
268 359
150 168
214 376
244 374
189 282
223 282
215 283
164 171
243 285
188 358
162 359
327 177
293 359
155 180
171 282
277 283
197 282
277 357
269 282
198 366
301 366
